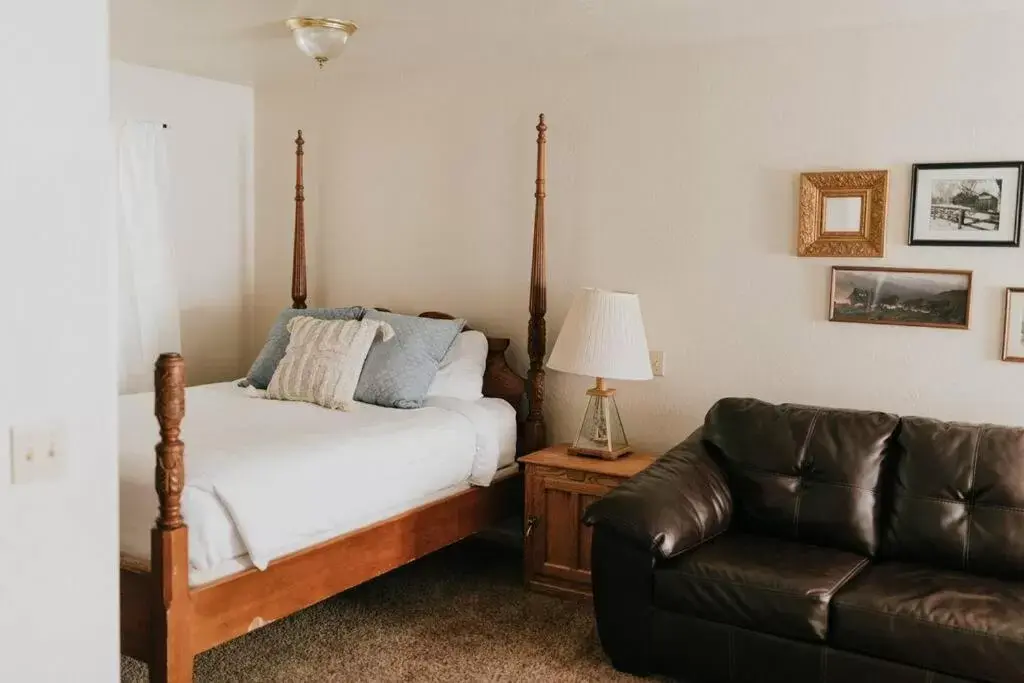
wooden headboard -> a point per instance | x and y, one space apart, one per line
500 380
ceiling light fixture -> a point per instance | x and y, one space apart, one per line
321 38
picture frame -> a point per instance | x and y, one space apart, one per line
843 214
918 297
973 204
1013 326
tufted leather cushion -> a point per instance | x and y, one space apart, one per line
936 619
959 497
758 583
803 473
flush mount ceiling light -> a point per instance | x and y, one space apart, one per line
321 38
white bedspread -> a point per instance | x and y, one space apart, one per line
267 478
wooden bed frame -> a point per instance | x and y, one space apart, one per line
165 622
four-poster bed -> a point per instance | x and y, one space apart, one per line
166 621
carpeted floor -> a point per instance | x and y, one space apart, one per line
459 615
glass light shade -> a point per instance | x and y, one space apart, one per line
321 38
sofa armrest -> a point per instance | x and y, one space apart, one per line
677 503
623 581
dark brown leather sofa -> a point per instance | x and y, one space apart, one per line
799 544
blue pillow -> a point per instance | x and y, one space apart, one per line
277 341
398 373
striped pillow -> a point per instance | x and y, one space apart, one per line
324 359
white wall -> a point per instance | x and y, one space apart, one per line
58 541
673 173
210 153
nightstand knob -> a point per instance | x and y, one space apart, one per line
531 522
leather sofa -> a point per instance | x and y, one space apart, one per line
798 544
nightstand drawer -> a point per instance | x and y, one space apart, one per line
557 543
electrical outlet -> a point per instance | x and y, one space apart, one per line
658 363
38 454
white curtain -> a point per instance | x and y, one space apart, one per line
149 315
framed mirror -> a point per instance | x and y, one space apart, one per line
843 214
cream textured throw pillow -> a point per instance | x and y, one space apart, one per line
324 359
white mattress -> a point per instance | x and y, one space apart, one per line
267 478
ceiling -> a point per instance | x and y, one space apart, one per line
245 41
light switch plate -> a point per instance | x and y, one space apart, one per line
658 363
38 453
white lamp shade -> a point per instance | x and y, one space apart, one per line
603 336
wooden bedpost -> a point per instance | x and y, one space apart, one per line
171 659
299 247
535 433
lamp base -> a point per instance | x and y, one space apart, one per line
601 434
604 455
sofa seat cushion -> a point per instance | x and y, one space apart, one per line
947 621
759 583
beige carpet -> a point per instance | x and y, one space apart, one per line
458 615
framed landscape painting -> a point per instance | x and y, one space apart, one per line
967 205
901 296
1013 334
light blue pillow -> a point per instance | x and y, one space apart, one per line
277 341
398 373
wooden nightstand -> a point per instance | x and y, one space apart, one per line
559 487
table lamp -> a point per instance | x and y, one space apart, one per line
602 337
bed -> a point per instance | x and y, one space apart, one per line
287 504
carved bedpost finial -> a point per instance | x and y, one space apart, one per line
170 452
535 430
299 245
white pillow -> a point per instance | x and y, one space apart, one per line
324 360
461 374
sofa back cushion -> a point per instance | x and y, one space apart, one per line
958 498
803 473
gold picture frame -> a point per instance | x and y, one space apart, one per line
843 214
1013 319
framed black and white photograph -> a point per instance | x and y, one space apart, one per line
921 297
966 205
1013 325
